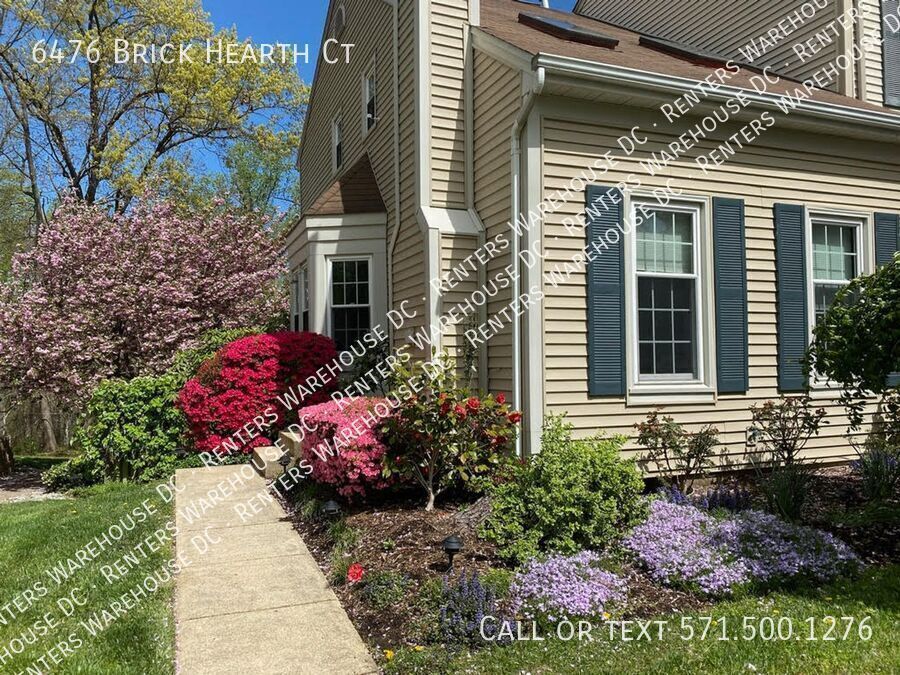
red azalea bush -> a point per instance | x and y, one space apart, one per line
339 442
443 437
250 386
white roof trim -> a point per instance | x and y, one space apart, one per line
451 221
603 72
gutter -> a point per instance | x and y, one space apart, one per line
619 75
516 170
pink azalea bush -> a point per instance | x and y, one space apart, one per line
238 398
102 296
340 443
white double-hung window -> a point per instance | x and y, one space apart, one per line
669 297
668 281
351 305
838 246
835 260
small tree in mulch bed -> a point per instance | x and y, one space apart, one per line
443 437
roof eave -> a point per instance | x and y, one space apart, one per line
604 73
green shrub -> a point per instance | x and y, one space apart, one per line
188 361
383 589
575 494
497 580
785 427
680 456
77 472
878 467
130 430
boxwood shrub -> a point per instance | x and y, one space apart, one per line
574 495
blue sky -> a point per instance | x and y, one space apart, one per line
289 21
292 21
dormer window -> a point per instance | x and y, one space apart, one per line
369 102
337 145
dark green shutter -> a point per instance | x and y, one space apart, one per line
887 242
887 231
890 51
605 291
730 260
790 280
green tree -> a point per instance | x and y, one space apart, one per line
857 342
16 218
100 122
260 176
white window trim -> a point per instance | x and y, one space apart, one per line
296 294
864 225
329 306
700 389
337 129
369 74
303 294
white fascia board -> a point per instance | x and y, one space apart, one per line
346 220
617 75
500 50
451 221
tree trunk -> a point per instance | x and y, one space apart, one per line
47 420
7 462
430 505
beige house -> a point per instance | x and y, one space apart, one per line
609 210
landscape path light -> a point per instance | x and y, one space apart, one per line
452 545
331 508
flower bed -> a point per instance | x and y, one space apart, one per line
563 587
680 544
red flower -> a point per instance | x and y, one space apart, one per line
515 417
459 410
501 399
355 573
473 403
445 408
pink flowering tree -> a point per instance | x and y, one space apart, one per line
102 296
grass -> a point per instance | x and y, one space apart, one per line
40 462
37 535
876 593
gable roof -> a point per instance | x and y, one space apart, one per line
355 191
500 18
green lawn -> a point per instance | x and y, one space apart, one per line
38 535
875 594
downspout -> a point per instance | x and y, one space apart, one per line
395 234
515 167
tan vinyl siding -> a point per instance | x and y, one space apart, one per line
497 98
873 77
338 91
723 27
792 167
457 265
409 252
448 156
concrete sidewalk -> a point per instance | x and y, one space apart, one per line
252 600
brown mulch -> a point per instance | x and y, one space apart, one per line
401 537
836 496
